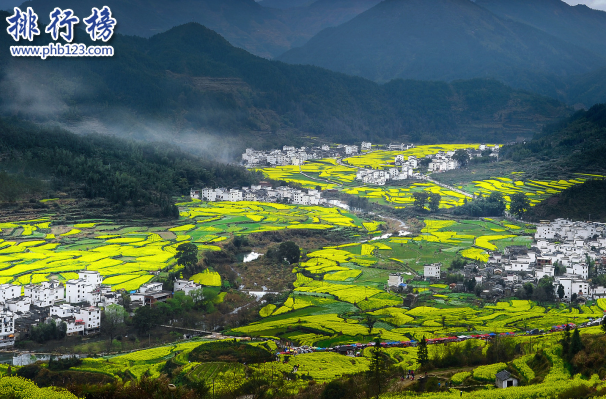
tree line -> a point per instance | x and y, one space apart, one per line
95 166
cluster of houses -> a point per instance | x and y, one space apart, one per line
562 250
404 168
78 304
262 192
289 155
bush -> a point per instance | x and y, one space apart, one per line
230 351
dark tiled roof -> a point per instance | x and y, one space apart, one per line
503 375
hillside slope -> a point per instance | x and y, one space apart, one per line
263 31
576 144
579 25
582 202
124 173
441 40
190 80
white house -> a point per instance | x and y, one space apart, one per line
186 286
351 149
571 286
21 304
150 287
579 269
45 293
366 146
7 328
91 316
64 310
432 271
504 379
395 279
79 290
9 291
91 277
413 161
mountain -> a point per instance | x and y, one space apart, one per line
575 203
574 145
441 40
579 25
263 31
587 89
9 4
244 23
191 85
142 177
321 14
285 4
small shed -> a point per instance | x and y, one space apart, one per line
504 379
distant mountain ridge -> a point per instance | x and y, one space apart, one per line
190 79
442 40
263 31
579 25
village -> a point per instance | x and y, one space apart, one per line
77 303
403 168
263 192
569 253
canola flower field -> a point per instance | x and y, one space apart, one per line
35 251
386 159
330 174
535 190
323 366
350 278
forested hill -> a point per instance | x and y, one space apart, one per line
576 144
142 177
581 202
256 27
443 40
192 79
579 24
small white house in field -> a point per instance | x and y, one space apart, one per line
504 379
432 271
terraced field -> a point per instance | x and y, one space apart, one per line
330 174
34 251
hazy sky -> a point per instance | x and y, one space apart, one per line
597 4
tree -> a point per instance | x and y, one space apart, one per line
423 354
498 200
561 291
461 156
420 198
457 263
197 295
125 300
603 324
575 343
519 204
566 340
335 390
377 369
113 321
370 322
290 251
434 202
187 254
145 319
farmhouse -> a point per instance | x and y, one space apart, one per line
432 271
504 379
